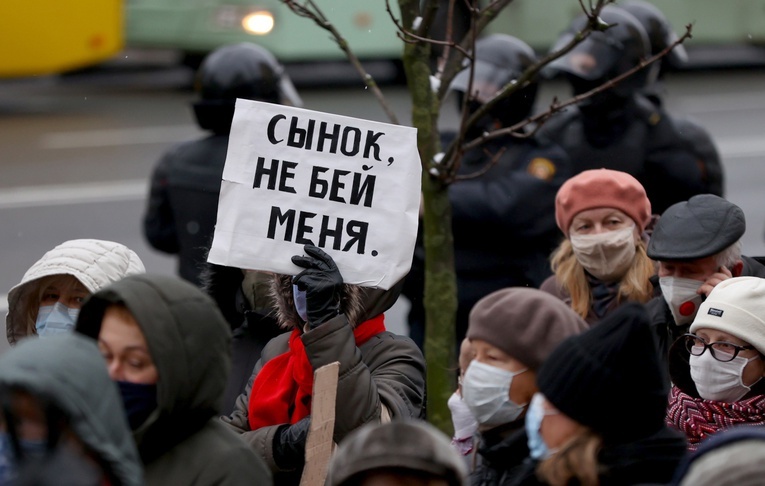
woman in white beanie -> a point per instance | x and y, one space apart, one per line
717 368
49 296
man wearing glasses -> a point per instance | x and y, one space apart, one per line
717 368
697 245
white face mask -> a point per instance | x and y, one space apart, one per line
486 390
718 381
463 420
55 319
607 256
681 297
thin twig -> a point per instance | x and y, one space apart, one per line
321 20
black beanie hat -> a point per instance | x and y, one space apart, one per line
609 378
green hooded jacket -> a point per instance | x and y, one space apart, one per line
181 442
68 371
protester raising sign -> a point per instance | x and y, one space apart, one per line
294 176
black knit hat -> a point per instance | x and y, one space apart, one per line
609 378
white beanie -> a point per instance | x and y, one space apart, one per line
736 306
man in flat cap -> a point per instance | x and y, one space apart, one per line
697 245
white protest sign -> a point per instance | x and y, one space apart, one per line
294 177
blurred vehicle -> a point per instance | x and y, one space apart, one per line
196 27
40 37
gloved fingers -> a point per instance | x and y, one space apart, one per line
322 256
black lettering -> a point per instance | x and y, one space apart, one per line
296 135
277 218
371 142
355 138
272 127
325 135
357 230
287 173
261 170
336 234
303 228
318 187
359 190
337 184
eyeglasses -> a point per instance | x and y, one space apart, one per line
721 350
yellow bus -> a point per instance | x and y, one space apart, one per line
40 37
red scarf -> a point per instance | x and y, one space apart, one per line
281 393
698 418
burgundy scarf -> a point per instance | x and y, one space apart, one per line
698 418
281 392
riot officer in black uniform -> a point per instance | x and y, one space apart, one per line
183 203
619 128
503 216
698 139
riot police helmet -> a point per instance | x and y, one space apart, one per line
499 60
660 32
242 70
604 54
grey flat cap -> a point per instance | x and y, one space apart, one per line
700 227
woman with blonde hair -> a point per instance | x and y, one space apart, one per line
602 262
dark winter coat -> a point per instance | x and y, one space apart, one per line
385 376
182 441
183 202
639 138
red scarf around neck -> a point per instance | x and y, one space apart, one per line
281 392
698 418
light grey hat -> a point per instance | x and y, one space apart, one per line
403 445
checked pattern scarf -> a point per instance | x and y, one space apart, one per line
698 418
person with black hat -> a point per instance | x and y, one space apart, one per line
506 186
183 198
697 245
618 127
598 418
717 368
512 331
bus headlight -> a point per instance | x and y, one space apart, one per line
258 23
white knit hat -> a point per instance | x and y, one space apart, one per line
736 306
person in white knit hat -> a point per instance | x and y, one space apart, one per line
717 368
49 296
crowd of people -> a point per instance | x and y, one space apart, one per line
615 337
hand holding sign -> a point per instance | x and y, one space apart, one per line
322 283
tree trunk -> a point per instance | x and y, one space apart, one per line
440 298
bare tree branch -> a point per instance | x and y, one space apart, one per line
557 107
314 13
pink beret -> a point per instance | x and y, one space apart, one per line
602 188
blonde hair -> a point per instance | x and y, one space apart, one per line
635 285
576 459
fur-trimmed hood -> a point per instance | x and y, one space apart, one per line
357 303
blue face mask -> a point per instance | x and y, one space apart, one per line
55 319
300 302
139 400
31 450
534 415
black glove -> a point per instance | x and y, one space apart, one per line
289 444
322 283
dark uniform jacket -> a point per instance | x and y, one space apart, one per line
503 222
641 139
183 202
